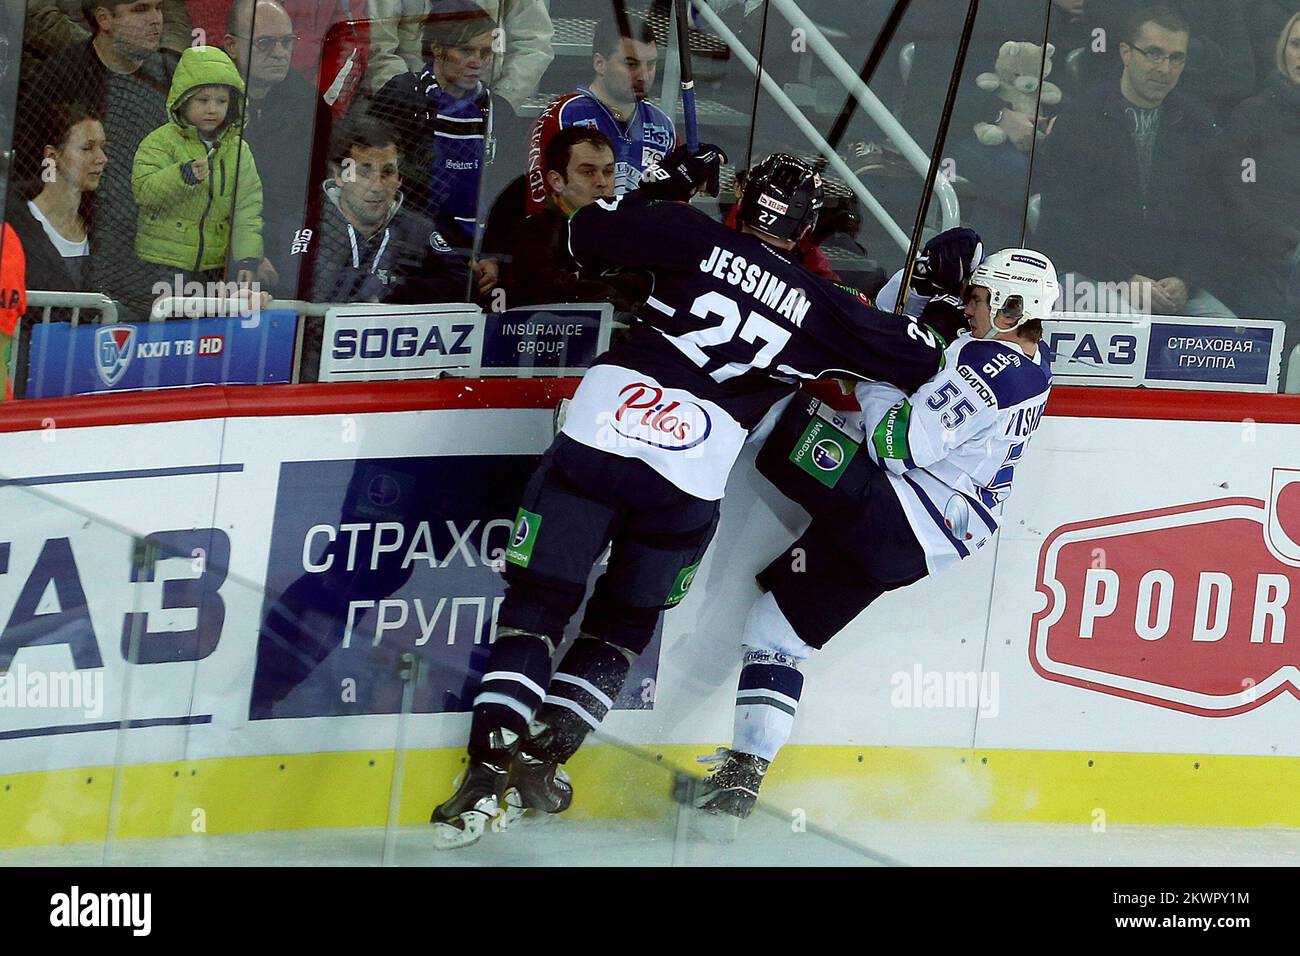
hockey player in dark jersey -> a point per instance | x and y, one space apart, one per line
732 326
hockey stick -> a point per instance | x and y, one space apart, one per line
681 8
909 266
883 39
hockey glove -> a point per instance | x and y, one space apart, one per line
946 315
677 176
947 262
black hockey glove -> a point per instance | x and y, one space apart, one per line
681 173
946 315
947 262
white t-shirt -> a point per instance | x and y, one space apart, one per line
67 248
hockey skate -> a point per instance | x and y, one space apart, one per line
731 788
537 785
460 821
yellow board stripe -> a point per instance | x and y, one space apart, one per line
312 791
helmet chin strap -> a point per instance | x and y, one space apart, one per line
994 330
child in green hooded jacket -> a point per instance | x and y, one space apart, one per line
186 173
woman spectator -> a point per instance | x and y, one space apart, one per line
54 224
1264 189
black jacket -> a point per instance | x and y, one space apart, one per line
1095 218
405 262
288 133
47 271
1266 131
543 271
1220 57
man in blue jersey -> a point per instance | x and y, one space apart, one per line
911 488
732 325
615 103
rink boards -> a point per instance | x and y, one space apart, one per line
1125 648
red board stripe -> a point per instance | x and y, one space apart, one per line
243 401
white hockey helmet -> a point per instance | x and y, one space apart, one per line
1021 274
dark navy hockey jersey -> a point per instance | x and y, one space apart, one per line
731 316
731 326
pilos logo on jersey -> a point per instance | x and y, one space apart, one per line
825 448
1137 606
646 416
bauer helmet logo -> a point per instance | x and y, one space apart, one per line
767 202
827 454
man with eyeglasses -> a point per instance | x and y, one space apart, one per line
1131 183
287 123
1219 65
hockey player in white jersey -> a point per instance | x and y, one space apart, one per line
913 488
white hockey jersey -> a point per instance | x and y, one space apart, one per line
951 448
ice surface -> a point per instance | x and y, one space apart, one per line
763 840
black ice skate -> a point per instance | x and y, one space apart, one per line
731 788
460 821
538 785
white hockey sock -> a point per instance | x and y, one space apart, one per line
767 695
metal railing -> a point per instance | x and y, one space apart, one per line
950 210
74 301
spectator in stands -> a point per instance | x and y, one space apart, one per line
119 73
55 24
397 42
196 180
330 51
580 170
1264 189
1220 68
366 246
286 123
615 102
54 225
1131 179
1266 18
448 121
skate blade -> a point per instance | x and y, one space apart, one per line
449 837
515 813
511 813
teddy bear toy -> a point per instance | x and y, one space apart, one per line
1015 80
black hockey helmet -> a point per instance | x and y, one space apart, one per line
782 197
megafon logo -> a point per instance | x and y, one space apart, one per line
1182 607
646 416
